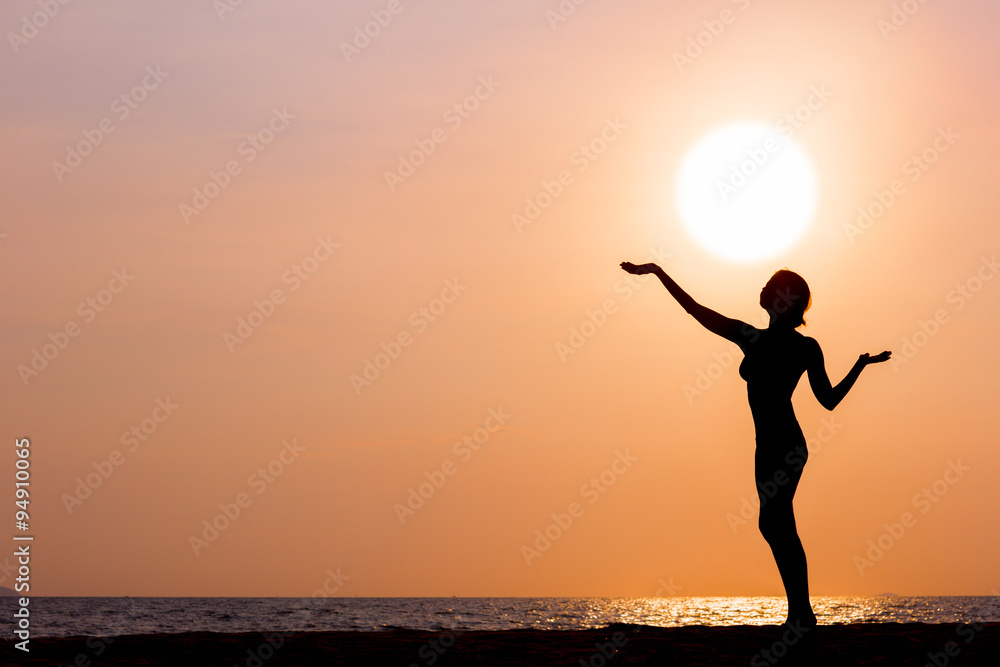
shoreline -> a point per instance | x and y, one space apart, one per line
617 644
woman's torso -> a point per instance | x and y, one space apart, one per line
772 366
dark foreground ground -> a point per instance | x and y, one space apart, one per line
841 645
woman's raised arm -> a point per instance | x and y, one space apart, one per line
730 329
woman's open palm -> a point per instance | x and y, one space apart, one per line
639 269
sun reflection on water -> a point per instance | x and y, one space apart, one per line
675 611
714 611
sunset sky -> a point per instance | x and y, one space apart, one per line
258 260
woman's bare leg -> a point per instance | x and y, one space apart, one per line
777 525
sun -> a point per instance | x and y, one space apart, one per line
746 192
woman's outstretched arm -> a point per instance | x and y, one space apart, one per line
829 396
728 328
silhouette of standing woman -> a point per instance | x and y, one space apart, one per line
774 360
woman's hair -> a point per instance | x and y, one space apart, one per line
788 296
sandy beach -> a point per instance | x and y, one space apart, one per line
868 644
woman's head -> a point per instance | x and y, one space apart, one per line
786 297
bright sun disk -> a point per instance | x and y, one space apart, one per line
746 192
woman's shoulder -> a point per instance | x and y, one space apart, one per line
809 344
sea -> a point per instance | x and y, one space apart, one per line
114 616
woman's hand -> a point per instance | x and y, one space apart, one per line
640 269
878 358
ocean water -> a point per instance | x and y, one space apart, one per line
106 616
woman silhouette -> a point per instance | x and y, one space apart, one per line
774 360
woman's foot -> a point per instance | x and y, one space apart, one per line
802 618
798 634
804 622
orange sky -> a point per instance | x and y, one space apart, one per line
236 167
